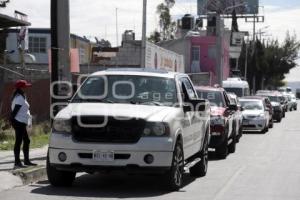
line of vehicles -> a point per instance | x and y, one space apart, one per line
156 122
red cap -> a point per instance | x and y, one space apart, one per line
22 84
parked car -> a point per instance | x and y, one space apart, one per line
288 98
294 101
268 104
256 115
223 128
237 86
136 120
238 114
277 104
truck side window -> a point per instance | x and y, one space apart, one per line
227 101
188 88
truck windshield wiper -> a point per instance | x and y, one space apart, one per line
92 101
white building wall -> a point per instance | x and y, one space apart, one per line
11 44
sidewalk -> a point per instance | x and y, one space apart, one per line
7 176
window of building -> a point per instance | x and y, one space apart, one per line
212 54
195 53
37 44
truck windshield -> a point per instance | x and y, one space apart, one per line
128 89
237 91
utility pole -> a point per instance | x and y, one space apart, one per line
219 49
253 53
60 48
246 61
144 31
117 28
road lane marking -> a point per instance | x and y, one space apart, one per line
221 193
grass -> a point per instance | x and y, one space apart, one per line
39 136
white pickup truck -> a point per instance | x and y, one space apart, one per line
135 120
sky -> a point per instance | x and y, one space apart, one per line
97 18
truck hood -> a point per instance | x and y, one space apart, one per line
146 112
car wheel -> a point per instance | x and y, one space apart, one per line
279 119
222 150
175 174
200 169
59 178
271 124
265 130
232 146
240 134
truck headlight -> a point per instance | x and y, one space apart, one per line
156 129
62 125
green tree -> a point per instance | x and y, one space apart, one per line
167 27
269 63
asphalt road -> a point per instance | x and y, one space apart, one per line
265 167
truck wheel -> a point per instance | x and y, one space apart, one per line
200 169
175 174
59 178
222 150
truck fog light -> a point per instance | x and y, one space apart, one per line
149 159
62 157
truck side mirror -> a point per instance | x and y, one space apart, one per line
233 107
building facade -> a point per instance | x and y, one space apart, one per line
200 54
39 43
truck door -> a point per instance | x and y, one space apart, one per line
194 131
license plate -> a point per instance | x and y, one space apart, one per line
103 156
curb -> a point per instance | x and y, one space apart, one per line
31 175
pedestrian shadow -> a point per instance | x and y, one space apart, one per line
111 186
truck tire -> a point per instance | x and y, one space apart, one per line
200 169
222 150
59 178
174 176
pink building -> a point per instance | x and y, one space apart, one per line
200 54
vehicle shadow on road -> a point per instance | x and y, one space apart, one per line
111 186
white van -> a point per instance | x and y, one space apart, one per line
237 86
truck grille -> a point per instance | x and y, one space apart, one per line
113 131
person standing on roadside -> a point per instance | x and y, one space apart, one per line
20 118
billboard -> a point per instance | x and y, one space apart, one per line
227 6
160 58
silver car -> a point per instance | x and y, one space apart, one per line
256 115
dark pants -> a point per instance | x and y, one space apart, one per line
21 136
